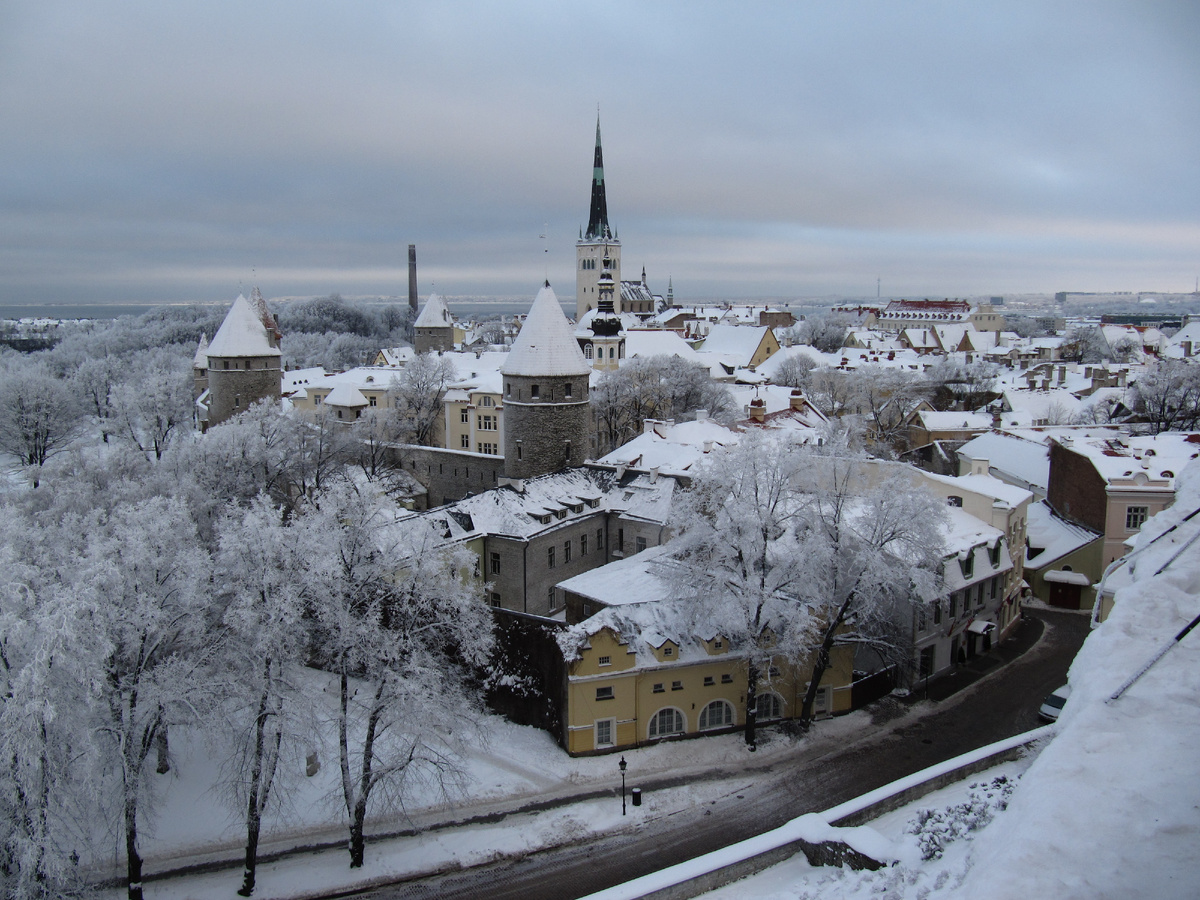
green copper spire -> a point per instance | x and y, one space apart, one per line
598 221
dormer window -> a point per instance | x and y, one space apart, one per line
968 564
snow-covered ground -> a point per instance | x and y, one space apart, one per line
517 766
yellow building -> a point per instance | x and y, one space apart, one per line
629 682
622 692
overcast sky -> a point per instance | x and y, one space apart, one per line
182 150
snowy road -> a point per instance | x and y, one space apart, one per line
1002 704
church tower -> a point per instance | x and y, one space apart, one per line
546 410
606 348
594 242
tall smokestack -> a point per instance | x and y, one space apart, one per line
412 278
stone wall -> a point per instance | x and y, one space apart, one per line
232 390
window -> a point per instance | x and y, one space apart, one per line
677 685
668 650
640 543
486 447
583 545
920 620
604 661
726 678
709 681
550 557
604 693
495 599
937 613
658 688
599 538
666 721
550 596
604 732
1135 517
373 401
925 664
718 643
717 714
620 539
316 399
507 389
953 605
954 501
566 552
487 423
979 594
534 391
769 706
495 564
994 555
968 563
227 364
465 416
466 442
486 401
587 351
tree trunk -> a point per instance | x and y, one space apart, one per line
752 707
357 841
253 806
132 856
818 672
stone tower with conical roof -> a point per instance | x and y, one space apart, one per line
243 361
434 328
592 244
546 411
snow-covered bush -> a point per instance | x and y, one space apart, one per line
935 828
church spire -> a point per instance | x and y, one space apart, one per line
598 221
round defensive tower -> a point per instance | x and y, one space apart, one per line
546 409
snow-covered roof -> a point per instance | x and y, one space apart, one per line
670 448
242 333
1001 492
346 395
1126 458
933 420
546 344
1017 457
657 342
200 360
435 314
739 342
633 580
1052 536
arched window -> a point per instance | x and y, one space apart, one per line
666 721
587 350
770 706
717 714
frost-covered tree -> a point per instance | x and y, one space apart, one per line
656 387
795 371
962 385
793 550
826 333
403 628
48 648
735 561
94 380
1168 396
1086 344
885 397
153 404
873 551
266 568
415 397
147 577
39 416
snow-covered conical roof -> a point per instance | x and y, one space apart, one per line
200 360
242 333
435 314
546 344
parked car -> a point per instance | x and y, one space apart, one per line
1053 704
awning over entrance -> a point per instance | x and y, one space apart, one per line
1058 576
979 626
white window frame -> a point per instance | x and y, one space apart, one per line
611 726
651 732
727 713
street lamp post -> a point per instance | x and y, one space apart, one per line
622 764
